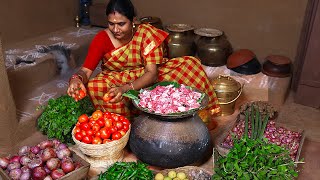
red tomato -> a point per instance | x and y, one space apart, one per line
91 123
78 136
115 117
100 122
105 133
77 129
87 139
106 97
81 94
97 114
112 129
83 133
95 127
78 124
116 135
106 141
108 122
89 132
125 127
83 118
96 140
118 125
122 132
125 121
98 134
84 126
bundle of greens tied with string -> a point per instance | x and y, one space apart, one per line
253 157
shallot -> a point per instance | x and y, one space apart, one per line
15 174
14 159
38 173
24 150
4 162
67 166
46 144
48 153
25 160
63 153
25 176
13 165
56 174
35 149
53 164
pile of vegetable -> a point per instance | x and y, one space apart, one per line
60 116
255 159
171 175
127 170
100 127
49 159
264 128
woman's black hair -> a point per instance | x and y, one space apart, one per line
124 7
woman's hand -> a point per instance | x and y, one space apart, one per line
76 89
116 94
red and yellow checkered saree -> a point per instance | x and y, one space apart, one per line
125 64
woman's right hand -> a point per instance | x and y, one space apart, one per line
76 89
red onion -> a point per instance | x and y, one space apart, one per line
24 150
67 166
53 163
35 149
63 153
13 165
62 146
35 163
48 178
38 173
15 174
4 162
56 174
55 142
46 169
15 159
47 154
25 169
45 144
25 160
25 176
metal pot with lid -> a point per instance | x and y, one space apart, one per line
228 91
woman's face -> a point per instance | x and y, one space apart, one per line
120 26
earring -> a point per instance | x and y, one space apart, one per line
133 25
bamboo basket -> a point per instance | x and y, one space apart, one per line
192 172
109 151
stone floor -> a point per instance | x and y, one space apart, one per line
291 114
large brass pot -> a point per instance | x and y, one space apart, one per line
228 91
213 48
154 21
181 40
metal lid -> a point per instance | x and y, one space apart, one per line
208 32
180 27
225 84
150 19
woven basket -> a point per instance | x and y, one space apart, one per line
192 172
109 151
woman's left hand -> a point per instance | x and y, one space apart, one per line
116 94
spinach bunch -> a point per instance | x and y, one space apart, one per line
127 171
60 116
255 159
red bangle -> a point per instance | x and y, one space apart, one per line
76 76
131 85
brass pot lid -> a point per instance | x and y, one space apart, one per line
225 84
179 27
207 32
150 19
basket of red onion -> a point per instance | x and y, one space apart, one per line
289 137
50 159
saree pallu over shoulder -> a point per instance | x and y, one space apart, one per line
145 41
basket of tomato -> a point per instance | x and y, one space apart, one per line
103 134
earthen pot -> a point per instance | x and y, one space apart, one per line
244 61
170 143
277 66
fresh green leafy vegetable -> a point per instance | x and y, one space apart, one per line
255 159
127 171
60 116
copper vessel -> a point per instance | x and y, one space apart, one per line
213 48
154 21
181 40
228 91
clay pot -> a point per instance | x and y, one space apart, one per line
213 48
277 66
170 143
180 40
154 21
244 61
